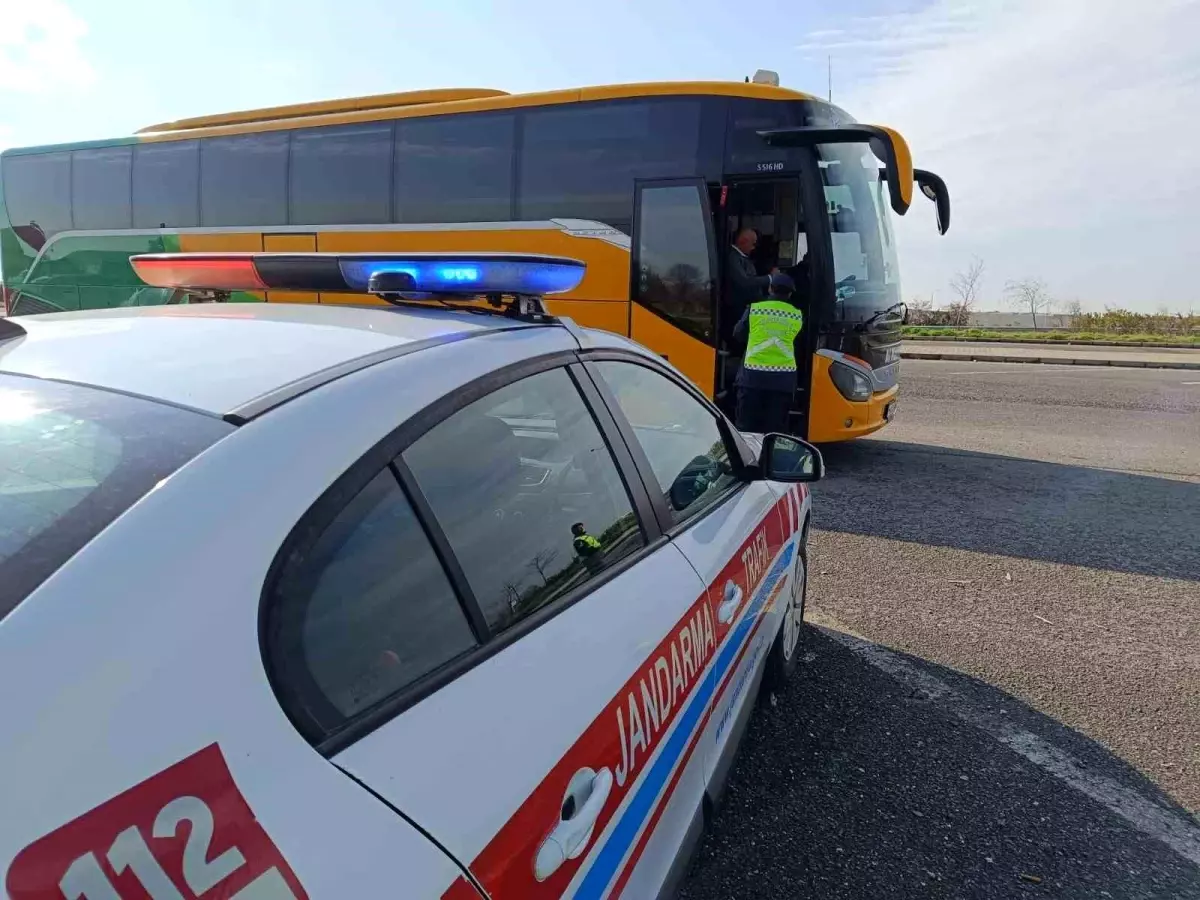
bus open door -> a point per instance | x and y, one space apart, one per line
770 205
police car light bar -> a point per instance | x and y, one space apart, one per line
178 270
475 274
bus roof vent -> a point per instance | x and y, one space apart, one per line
766 76
326 107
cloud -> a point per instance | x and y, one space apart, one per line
890 36
40 48
822 35
1065 132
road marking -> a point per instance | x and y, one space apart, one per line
1191 382
1148 817
1002 372
1002 368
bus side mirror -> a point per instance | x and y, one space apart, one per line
935 189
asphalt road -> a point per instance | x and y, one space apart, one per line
1004 697
1167 357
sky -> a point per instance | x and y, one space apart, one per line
1067 130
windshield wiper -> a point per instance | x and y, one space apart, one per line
862 326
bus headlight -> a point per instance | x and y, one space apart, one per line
850 382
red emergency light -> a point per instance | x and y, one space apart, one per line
218 272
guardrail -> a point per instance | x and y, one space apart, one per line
1062 342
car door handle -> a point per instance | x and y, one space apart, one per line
729 606
585 798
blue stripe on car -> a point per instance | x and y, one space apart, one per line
608 859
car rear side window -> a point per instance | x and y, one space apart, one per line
361 609
72 459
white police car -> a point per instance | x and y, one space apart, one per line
332 602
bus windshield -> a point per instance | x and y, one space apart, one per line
864 248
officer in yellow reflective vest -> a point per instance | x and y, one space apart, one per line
585 545
766 382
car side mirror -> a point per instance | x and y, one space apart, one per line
787 458
694 480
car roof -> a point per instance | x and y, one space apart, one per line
219 358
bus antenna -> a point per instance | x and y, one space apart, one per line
829 75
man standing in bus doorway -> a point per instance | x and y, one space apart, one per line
745 284
766 382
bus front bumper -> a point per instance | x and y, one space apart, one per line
832 418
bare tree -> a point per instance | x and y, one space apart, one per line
513 593
1030 294
1074 311
541 562
966 283
920 311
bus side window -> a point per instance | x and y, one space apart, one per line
243 179
100 187
455 168
581 160
37 189
166 185
341 174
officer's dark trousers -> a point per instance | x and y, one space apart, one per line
762 410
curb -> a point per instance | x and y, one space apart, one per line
1051 360
1138 345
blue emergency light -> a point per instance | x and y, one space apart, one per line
476 274
439 274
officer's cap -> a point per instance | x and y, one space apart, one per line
782 285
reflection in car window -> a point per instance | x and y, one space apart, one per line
72 459
527 493
678 434
365 610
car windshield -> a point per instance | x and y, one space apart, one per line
864 248
72 459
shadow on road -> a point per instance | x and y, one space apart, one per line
855 785
1012 507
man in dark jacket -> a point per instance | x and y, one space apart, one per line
766 382
743 283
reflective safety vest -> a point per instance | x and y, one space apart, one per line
770 346
586 545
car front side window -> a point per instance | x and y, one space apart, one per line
678 434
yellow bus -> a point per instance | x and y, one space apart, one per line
646 183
